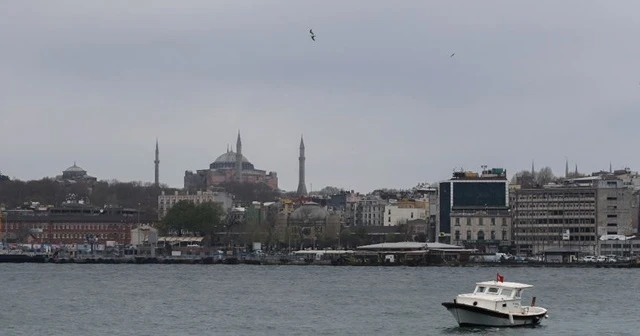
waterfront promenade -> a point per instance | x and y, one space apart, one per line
300 261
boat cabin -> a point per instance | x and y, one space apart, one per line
500 290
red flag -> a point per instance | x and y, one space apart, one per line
500 278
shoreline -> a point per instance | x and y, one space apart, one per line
40 259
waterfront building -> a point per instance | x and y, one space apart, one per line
400 212
229 167
572 215
554 217
488 231
370 211
167 201
71 224
470 191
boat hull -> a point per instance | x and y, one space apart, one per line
467 315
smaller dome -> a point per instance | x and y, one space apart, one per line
75 168
309 211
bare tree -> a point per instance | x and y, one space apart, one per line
544 176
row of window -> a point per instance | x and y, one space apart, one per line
545 221
555 213
79 236
79 227
492 221
551 205
554 238
618 246
555 230
480 235
545 196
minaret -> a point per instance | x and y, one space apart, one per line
533 169
302 188
566 168
610 168
157 164
239 158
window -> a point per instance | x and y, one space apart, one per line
480 235
504 234
457 235
504 221
493 235
492 290
468 221
480 221
412 215
457 221
507 292
480 289
468 234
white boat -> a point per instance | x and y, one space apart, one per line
495 304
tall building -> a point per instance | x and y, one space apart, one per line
156 162
470 191
573 215
554 217
302 188
229 167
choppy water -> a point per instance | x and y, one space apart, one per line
50 299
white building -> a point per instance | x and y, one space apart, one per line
401 212
165 202
142 234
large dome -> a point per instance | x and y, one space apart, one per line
228 160
309 212
75 169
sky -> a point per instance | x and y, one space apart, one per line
379 100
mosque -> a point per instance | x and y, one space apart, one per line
234 167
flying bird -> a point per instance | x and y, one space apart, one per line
452 55
313 36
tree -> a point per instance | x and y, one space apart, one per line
544 176
329 190
248 192
4 178
204 218
179 217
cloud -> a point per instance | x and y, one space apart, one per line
379 100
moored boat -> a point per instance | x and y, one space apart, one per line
495 304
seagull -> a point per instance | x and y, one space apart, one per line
313 36
452 55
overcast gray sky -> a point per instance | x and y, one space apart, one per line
377 97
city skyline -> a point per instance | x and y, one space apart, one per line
98 83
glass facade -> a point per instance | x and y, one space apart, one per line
480 194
